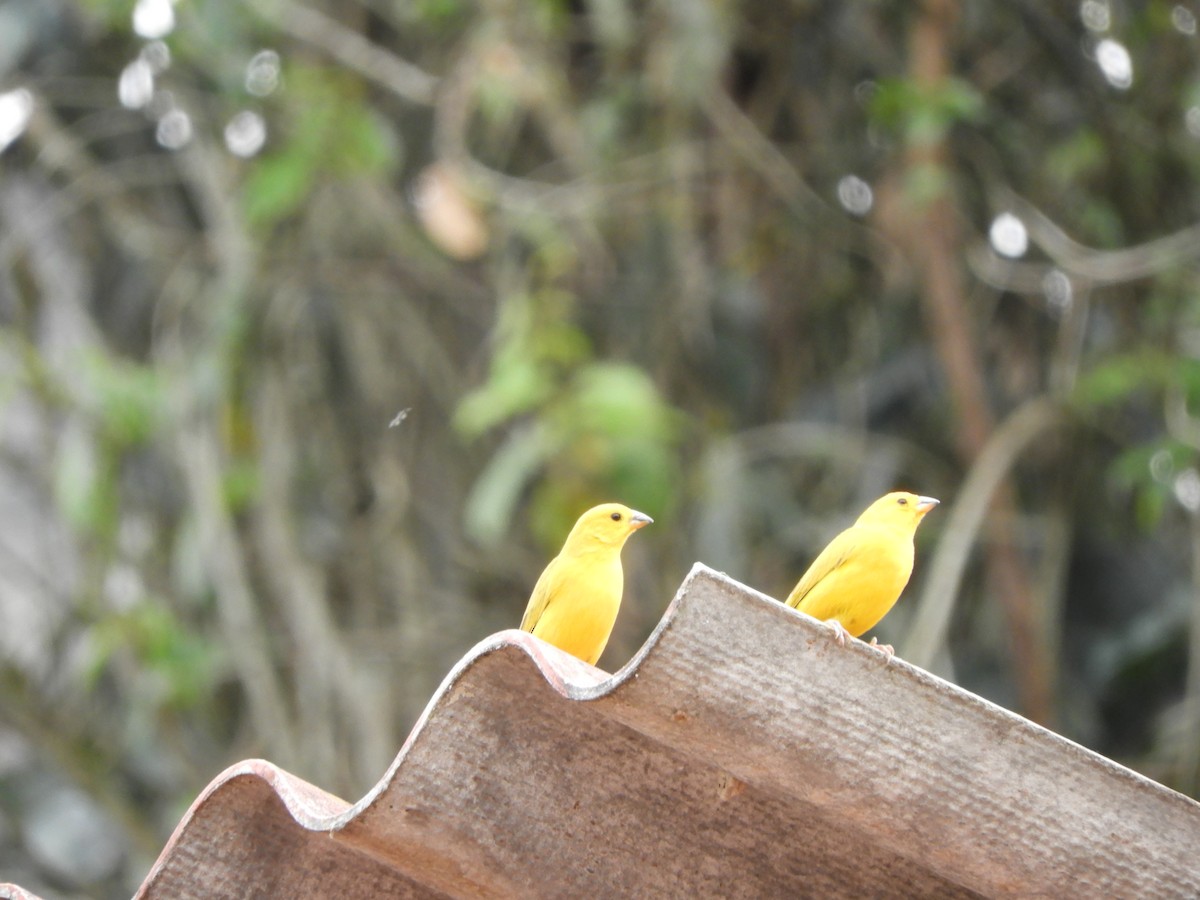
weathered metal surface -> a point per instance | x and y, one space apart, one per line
741 754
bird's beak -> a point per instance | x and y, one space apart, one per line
639 520
925 504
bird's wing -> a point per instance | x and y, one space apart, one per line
543 592
833 557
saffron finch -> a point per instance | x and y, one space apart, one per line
857 579
575 601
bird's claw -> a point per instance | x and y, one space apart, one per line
839 631
887 649
840 634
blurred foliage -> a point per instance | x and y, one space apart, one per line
684 255
174 667
922 114
328 135
599 428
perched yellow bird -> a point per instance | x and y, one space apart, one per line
857 579
575 601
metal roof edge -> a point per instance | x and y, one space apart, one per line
733 688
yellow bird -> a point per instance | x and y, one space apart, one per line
857 579
575 601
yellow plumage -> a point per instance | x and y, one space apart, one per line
857 579
575 601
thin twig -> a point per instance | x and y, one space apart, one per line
106 186
761 154
1185 428
1181 424
328 681
242 625
931 621
1187 739
1106 266
351 49
73 745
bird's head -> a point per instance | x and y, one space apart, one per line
898 510
607 524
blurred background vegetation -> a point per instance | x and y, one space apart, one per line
321 321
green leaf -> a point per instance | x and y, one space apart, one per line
617 399
1157 461
363 144
276 187
333 134
536 343
491 506
516 385
182 664
84 496
1080 155
1118 377
925 114
241 484
115 14
131 399
438 11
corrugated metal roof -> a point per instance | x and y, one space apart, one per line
741 753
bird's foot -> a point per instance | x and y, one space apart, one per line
839 631
886 649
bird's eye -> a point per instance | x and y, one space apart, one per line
903 501
616 517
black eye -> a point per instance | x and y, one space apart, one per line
616 517
903 501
